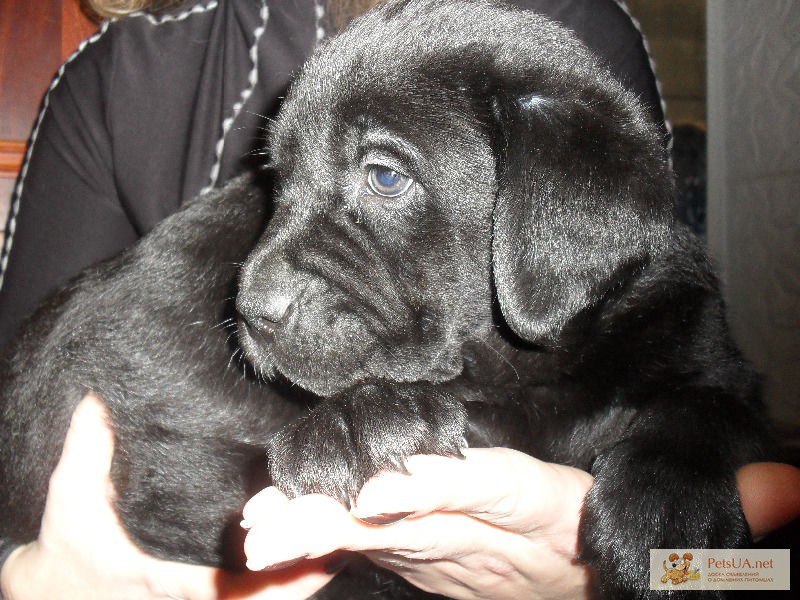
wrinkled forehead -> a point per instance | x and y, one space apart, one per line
375 78
422 67
393 47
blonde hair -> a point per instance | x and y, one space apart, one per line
341 11
111 9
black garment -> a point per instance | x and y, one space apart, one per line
131 128
134 123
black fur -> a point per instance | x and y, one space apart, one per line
530 288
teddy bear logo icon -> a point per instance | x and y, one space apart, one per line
677 569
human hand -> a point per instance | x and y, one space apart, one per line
770 496
513 534
83 552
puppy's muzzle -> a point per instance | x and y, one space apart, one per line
266 298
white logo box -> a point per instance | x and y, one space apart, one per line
719 569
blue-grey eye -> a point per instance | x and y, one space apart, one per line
387 182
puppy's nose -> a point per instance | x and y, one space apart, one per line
266 296
265 319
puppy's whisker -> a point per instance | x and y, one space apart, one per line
501 357
393 355
225 323
248 129
262 116
258 153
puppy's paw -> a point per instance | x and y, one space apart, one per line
642 501
354 435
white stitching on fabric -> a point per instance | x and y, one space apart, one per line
645 43
252 80
196 9
319 14
15 203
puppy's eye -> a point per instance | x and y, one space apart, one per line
386 182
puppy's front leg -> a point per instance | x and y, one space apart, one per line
357 433
669 483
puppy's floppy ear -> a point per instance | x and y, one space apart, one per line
583 200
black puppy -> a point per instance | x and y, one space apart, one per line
472 242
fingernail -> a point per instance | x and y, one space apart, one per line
385 518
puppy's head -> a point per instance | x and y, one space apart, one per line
434 156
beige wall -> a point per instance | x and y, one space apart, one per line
754 187
734 65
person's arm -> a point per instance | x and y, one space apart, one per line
65 214
131 130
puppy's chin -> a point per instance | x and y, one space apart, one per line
326 367
318 368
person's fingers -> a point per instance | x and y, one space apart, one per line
178 580
88 447
442 552
79 519
516 491
517 494
263 502
770 495
315 525
283 530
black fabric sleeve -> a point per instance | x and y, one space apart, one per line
152 111
65 212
